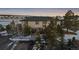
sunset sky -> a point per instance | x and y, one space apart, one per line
38 11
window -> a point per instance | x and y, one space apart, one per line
44 22
44 25
37 22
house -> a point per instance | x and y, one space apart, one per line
36 22
69 13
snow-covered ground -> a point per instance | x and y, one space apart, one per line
14 45
4 33
10 44
77 37
70 36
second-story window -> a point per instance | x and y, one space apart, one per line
37 22
44 22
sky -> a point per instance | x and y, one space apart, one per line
38 11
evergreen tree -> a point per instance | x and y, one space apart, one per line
8 28
61 35
38 41
27 30
51 34
2 28
69 44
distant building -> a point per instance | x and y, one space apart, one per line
36 22
69 13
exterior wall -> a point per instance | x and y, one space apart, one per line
19 28
33 24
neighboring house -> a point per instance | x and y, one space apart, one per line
69 13
36 22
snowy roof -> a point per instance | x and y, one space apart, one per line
23 38
3 32
68 30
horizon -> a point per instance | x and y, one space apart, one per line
37 11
